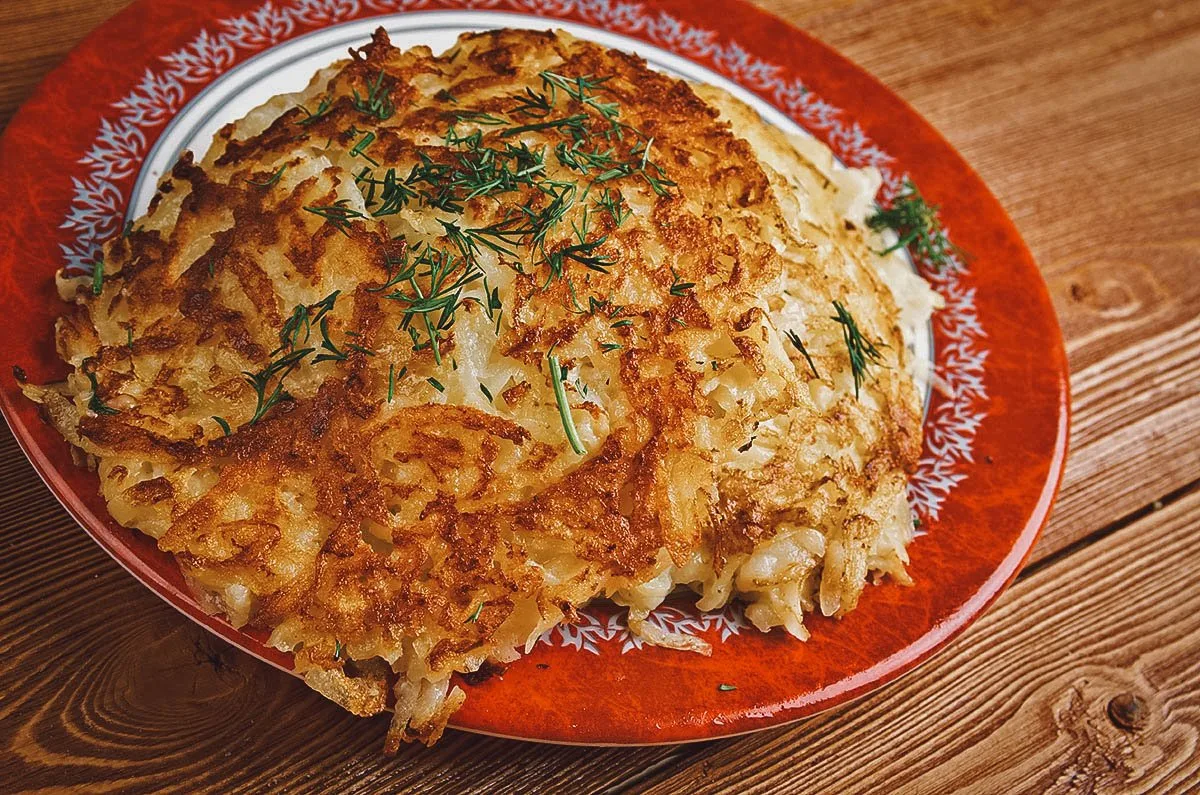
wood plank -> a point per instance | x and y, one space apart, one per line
1080 116
37 34
1020 702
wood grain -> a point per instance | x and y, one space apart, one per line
36 36
1019 703
1081 116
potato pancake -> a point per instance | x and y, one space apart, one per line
422 359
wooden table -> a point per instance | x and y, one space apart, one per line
1084 118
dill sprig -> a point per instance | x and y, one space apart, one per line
445 275
268 383
329 351
918 226
95 404
575 124
338 215
360 148
322 110
863 353
98 276
583 89
479 117
532 103
301 321
377 103
679 288
392 193
557 378
277 371
272 180
794 338
613 203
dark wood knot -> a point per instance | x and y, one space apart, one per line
1129 712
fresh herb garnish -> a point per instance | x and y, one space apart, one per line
377 102
95 404
724 688
268 383
338 215
487 393
273 179
918 226
445 275
678 288
612 202
224 425
436 384
360 148
276 371
330 351
794 338
322 111
863 353
475 615
98 276
564 408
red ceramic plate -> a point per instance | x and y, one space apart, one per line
163 75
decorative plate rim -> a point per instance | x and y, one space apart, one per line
951 426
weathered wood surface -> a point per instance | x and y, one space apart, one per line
1020 703
1082 117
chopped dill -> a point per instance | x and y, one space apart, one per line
794 338
919 228
338 215
311 117
224 425
564 408
95 404
377 103
98 276
360 148
863 353
272 180
436 384
678 288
